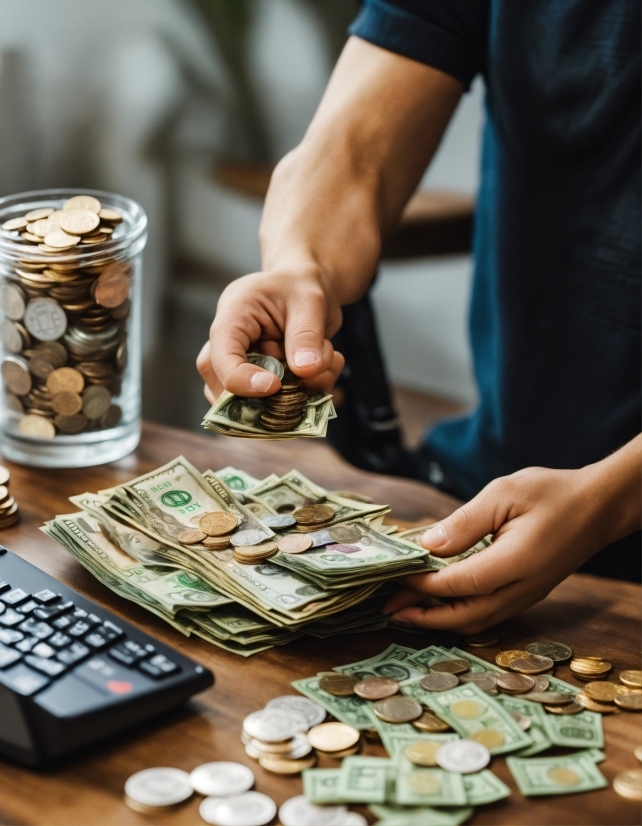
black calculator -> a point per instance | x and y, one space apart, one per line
72 673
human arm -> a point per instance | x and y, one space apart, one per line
546 523
330 203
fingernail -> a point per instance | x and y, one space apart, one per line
305 358
261 382
401 621
435 537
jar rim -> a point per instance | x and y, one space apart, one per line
21 202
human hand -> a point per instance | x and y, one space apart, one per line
290 314
546 523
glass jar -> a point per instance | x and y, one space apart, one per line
70 280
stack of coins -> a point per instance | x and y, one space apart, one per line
64 315
284 410
276 735
214 531
9 513
335 740
251 554
313 517
588 669
157 790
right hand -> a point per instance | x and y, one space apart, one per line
290 314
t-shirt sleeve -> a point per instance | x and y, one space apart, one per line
450 35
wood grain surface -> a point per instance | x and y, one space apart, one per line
594 616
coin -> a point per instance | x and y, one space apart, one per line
563 776
463 756
423 752
159 787
637 751
79 221
515 683
216 543
16 376
541 682
482 640
221 779
219 523
430 722
376 688
548 697
485 681
111 215
603 691
489 737
65 379
272 725
439 681
339 685
249 537
45 319
585 666
67 404
247 809
267 363
592 705
297 811
11 338
628 784
339 755
450 667
467 709
190 537
5 475
14 224
569 708
522 720
556 651
95 402
280 765
294 543
313 712
505 658
12 300
278 521
333 737
531 664
345 533
112 286
313 514
60 240
81 202
37 214
398 709
251 554
629 702
631 678
38 427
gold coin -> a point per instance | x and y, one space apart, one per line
338 755
531 664
450 667
505 658
603 691
569 708
423 752
430 722
424 782
216 543
467 709
41 228
589 665
14 224
489 737
628 784
314 514
333 737
398 709
637 751
82 202
65 379
339 685
217 523
294 544
37 427
591 705
276 764
632 678
111 215
37 214
190 537
251 554
60 240
563 776
631 701
79 221
376 688
66 403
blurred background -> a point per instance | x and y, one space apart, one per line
185 105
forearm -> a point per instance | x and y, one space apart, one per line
332 200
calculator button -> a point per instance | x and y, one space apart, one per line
158 667
46 597
27 644
8 656
37 629
27 607
73 654
23 680
9 618
14 597
62 622
9 636
52 668
59 640
47 612
130 652
78 629
4 586
43 650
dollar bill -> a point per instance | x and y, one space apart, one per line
538 728
238 481
367 779
556 775
321 786
350 710
393 815
484 787
428 787
396 742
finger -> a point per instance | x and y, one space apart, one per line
211 398
305 343
213 387
325 381
467 525
482 573
406 597
228 353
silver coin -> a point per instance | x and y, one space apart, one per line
159 787
463 756
248 809
250 537
252 751
12 300
299 746
45 319
273 725
297 811
11 338
221 779
313 712
278 521
267 363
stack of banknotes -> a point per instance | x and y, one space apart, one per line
127 537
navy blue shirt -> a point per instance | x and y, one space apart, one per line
555 309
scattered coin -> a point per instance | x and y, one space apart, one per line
273 725
294 543
556 651
60 240
339 685
463 756
563 776
249 537
467 709
450 667
589 667
631 678
628 784
522 720
592 705
247 809
505 658
14 224
221 779
604 691
16 376
485 681
515 683
79 222
159 787
297 811
423 752
376 688
314 514
12 301
278 521
38 427
430 722
220 523
531 664
345 533
333 737
482 640
439 681
569 708
398 709
112 287
313 712
190 537
541 682
489 737
550 698
280 765
629 702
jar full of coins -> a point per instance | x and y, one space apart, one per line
70 273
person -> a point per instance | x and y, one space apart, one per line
551 457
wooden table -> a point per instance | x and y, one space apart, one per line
594 616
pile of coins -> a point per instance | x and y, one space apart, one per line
9 513
284 410
64 316
214 530
313 517
278 735
590 668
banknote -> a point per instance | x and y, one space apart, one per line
484 787
537 731
393 815
396 742
428 787
350 710
321 786
556 775
238 481
367 779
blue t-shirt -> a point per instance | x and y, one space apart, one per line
555 309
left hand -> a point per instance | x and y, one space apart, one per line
546 523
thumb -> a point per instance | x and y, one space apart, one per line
305 335
466 526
